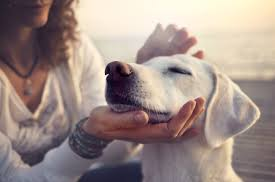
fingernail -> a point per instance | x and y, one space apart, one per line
200 99
140 117
192 105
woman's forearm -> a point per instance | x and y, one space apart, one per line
59 165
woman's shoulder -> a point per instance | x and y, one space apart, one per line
85 46
3 81
84 53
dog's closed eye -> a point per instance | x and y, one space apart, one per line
179 71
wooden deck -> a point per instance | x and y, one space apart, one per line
254 151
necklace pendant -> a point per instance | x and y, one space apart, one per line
28 90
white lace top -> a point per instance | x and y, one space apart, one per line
33 134
28 140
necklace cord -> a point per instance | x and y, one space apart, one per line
25 76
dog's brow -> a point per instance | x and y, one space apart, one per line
180 66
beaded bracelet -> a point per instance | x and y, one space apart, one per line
86 145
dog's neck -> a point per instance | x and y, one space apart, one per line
188 161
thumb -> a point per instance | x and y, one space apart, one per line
131 119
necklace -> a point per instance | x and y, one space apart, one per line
28 84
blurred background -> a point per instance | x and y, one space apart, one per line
237 36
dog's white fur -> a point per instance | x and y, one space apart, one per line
229 112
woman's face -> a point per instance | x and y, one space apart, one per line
28 13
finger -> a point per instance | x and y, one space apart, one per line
198 108
199 54
200 101
196 113
126 120
170 31
148 133
187 128
158 28
185 46
178 122
152 133
145 134
143 55
158 31
179 38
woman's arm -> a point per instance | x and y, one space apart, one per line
59 165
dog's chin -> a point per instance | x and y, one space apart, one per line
154 116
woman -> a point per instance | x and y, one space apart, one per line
50 78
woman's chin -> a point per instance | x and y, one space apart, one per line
33 17
36 22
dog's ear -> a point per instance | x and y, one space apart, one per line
229 112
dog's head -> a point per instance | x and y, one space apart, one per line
162 85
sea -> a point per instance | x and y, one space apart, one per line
243 55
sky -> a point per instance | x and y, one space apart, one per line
109 18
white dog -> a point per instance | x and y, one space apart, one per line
160 87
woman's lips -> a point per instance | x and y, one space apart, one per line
35 8
34 4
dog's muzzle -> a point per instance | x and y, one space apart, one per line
121 83
124 91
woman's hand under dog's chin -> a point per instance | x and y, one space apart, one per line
133 126
167 42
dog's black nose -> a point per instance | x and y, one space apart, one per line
117 70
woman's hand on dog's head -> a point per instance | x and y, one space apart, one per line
134 126
167 42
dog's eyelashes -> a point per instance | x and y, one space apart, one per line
179 71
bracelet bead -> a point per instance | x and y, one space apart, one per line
86 145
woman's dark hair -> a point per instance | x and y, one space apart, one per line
60 31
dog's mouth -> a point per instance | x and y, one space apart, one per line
120 103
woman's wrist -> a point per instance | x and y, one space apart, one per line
86 145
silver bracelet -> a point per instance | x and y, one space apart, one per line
86 145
